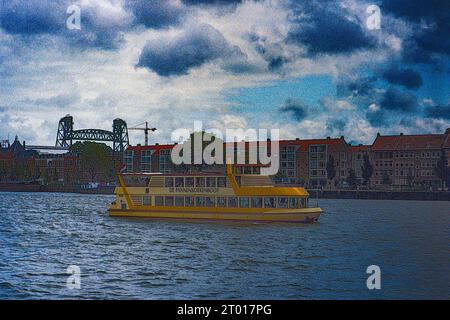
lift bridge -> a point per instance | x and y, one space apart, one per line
66 134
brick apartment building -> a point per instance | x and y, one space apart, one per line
398 160
406 160
301 161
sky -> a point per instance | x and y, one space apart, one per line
309 68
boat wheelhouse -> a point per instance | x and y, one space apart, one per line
211 196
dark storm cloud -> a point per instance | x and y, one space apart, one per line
31 18
431 35
405 77
438 112
396 100
211 2
272 53
192 48
156 14
360 86
326 29
297 109
377 118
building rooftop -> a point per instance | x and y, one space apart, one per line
409 142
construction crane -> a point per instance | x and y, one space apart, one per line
146 130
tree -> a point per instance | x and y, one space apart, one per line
95 158
351 178
331 170
367 169
442 170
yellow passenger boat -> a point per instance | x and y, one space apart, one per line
210 196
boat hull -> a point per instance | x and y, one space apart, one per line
306 215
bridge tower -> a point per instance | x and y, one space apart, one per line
120 132
64 134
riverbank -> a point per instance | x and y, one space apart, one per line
381 195
321 194
11 187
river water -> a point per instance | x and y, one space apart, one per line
42 234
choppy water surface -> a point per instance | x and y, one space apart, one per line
42 234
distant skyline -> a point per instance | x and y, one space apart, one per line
311 68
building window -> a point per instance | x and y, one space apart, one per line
146 161
128 160
164 160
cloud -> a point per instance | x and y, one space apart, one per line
212 2
327 28
377 118
337 125
157 14
431 25
396 100
438 112
335 105
297 109
404 77
192 48
102 23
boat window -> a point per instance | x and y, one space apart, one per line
269 202
199 182
211 182
221 202
244 202
210 201
189 182
256 202
189 201
179 182
303 202
282 202
247 170
168 201
159 201
147 201
232 202
293 202
179 201
221 182
168 182
200 201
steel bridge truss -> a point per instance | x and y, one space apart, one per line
66 135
